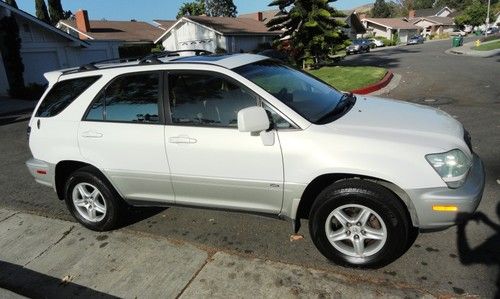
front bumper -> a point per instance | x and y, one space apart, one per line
42 171
465 198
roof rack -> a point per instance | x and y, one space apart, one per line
153 58
92 66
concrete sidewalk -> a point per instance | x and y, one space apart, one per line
466 49
42 257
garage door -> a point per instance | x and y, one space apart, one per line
38 63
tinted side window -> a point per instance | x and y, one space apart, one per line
130 98
206 100
62 94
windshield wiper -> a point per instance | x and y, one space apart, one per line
345 103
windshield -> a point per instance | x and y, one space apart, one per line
308 96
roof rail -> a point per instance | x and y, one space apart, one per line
155 57
148 59
92 65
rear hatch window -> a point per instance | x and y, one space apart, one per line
62 94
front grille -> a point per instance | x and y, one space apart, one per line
468 139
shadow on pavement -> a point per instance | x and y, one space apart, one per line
488 252
383 58
138 214
13 119
32 284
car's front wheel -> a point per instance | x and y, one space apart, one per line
359 223
92 201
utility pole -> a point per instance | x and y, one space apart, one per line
487 19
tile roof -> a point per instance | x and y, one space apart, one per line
394 23
165 24
131 31
441 20
234 26
267 15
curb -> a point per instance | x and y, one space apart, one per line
376 86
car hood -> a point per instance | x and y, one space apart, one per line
401 121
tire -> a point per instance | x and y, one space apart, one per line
368 50
386 222
106 204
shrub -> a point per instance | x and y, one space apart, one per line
33 91
387 42
220 50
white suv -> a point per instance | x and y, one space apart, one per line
246 133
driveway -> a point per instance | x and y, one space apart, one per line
465 87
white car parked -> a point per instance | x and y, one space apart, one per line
378 43
246 133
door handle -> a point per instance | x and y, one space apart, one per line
182 139
91 134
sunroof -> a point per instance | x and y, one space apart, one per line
201 58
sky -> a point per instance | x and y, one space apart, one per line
148 10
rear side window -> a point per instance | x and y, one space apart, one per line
62 94
131 98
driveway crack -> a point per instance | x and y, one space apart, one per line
209 259
66 233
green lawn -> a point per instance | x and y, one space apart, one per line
489 46
347 78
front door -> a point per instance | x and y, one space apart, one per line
212 163
123 134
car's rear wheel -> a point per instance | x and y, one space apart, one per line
92 201
359 223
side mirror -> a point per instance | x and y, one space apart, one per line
253 119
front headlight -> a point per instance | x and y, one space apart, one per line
452 166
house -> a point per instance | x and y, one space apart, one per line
45 48
433 20
128 32
390 27
216 33
353 26
164 24
435 12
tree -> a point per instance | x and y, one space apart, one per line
10 46
307 27
12 3
56 11
474 14
381 9
41 11
194 8
423 4
221 8
404 7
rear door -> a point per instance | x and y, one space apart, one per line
122 133
212 163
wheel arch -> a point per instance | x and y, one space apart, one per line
321 182
64 168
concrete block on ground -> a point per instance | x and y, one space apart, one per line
121 264
228 276
25 237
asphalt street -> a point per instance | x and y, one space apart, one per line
466 87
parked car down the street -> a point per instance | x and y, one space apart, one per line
377 42
492 30
358 46
416 39
246 133
459 32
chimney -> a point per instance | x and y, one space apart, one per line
259 17
411 13
82 22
